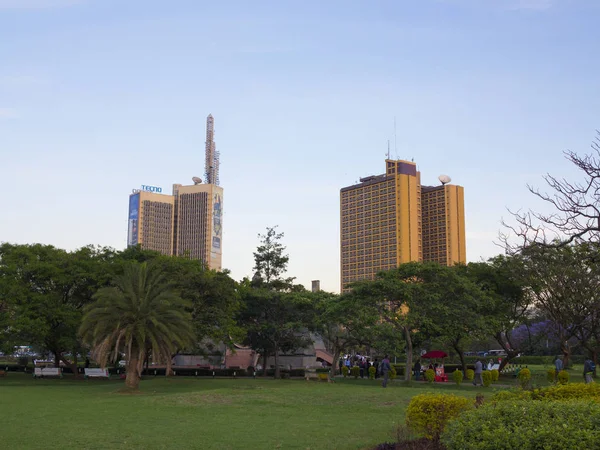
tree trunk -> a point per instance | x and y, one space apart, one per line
461 354
409 355
265 360
334 364
565 348
72 365
132 380
277 371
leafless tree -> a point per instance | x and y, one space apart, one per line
576 209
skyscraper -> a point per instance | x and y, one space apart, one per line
444 224
151 221
383 221
189 222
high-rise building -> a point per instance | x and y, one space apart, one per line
380 222
151 221
444 224
383 221
200 223
188 223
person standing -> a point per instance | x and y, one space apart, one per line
478 372
376 365
558 366
588 370
417 370
385 368
362 364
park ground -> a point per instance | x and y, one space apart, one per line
204 413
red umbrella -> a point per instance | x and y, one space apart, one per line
434 354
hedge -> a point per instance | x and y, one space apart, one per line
428 414
526 425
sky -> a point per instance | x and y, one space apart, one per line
98 97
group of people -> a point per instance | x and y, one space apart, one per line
382 368
588 369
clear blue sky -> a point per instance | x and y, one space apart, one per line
100 96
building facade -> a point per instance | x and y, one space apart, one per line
200 223
384 218
444 224
151 220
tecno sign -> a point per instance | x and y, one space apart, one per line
158 190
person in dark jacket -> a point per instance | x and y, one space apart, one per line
385 368
376 365
417 370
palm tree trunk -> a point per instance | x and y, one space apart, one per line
132 380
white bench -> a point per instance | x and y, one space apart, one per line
97 373
47 372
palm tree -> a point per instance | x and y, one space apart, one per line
140 312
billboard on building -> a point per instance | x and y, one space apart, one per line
134 211
217 223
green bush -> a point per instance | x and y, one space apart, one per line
345 371
428 414
563 377
470 374
486 376
526 425
430 375
355 371
458 376
322 376
372 371
565 392
495 375
393 373
551 375
524 377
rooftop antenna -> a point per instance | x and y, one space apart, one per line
388 153
395 140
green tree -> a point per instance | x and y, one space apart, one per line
141 310
344 322
510 305
47 289
270 262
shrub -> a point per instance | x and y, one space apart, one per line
393 373
428 414
573 391
524 377
322 376
526 425
563 377
458 376
504 396
372 371
551 375
470 374
345 371
430 375
495 375
355 371
486 377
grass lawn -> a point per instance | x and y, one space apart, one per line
183 413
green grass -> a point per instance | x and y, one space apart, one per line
188 413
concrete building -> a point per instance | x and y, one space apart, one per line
390 219
380 221
151 219
443 209
199 223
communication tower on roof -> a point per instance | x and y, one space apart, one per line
211 165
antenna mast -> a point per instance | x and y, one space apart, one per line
395 140
211 164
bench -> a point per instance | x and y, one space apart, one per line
96 373
40 372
